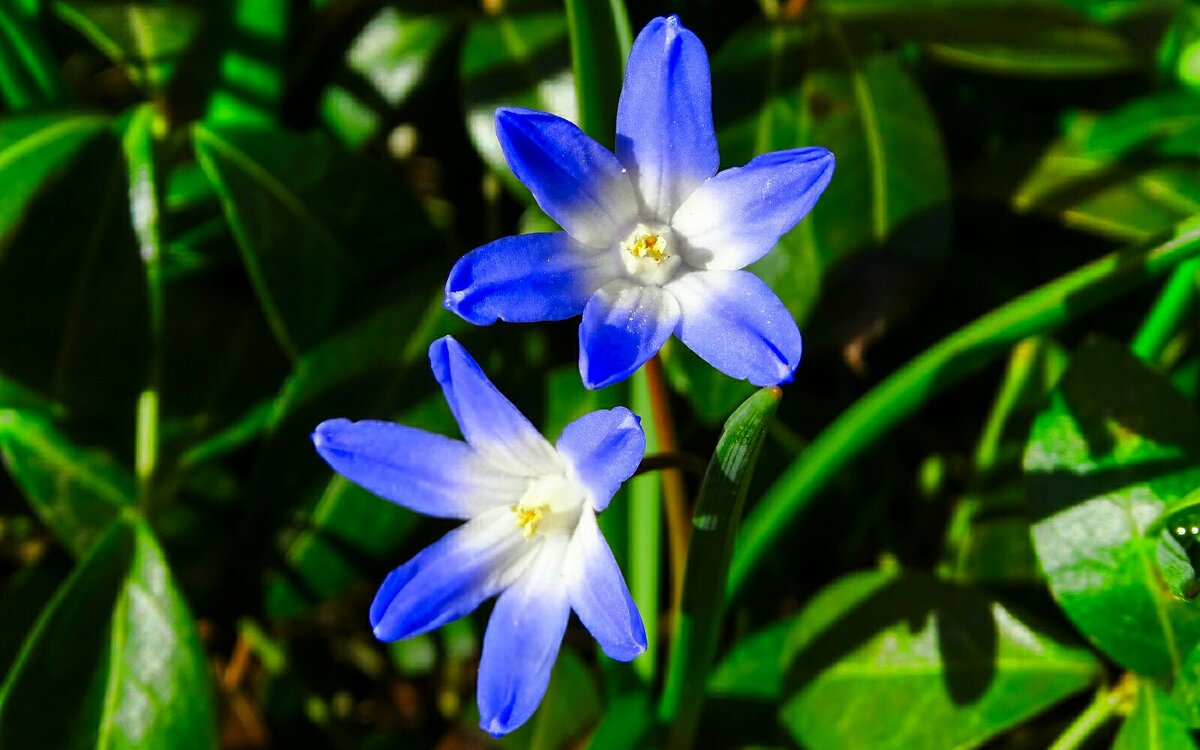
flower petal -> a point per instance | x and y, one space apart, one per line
624 324
528 278
604 448
522 641
737 217
665 134
424 472
738 325
575 180
450 577
599 595
488 420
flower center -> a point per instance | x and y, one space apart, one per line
649 253
649 246
529 518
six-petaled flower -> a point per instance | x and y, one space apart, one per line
655 238
530 534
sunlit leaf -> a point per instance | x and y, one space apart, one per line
1154 724
114 661
1115 444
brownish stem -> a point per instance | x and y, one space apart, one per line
674 495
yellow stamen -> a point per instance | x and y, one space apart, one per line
529 518
649 246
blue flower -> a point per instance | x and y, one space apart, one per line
655 239
530 533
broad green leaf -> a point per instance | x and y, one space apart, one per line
714 527
1129 174
311 258
85 341
784 86
77 493
1036 38
389 59
148 40
34 149
571 708
627 720
1154 724
252 62
907 662
114 662
516 60
754 666
1115 444
29 75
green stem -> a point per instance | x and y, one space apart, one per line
1168 312
1094 716
936 369
645 535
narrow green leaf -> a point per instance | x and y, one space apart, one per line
1154 724
932 664
116 654
147 40
644 532
714 527
942 365
77 493
29 75
1116 444
600 42
515 60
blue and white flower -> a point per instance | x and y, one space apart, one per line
530 534
655 238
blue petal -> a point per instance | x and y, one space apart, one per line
450 577
737 217
665 134
599 595
623 326
488 420
428 473
526 279
575 180
605 448
737 324
522 641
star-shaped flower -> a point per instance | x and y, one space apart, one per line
655 238
530 533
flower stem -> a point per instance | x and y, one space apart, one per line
689 462
947 363
674 496
1095 715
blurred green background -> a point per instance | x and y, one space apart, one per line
223 222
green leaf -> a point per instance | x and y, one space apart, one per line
29 75
1115 445
1154 724
311 259
147 40
600 42
754 666
114 661
1035 38
932 664
34 149
782 86
389 59
83 343
252 63
714 527
517 60
1127 174
76 493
